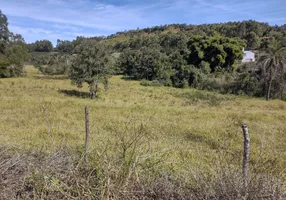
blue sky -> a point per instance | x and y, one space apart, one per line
66 19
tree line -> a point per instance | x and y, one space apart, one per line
41 46
177 60
256 34
205 57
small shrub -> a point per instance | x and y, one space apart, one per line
196 96
154 83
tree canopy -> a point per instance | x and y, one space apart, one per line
92 65
4 32
13 51
41 46
172 59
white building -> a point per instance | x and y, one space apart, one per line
248 56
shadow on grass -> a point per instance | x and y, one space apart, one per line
51 77
212 143
75 93
127 78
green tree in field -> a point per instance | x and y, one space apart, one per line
4 32
13 52
12 61
4 37
92 65
16 56
273 68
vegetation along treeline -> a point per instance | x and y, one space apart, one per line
200 56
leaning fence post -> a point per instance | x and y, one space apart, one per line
245 155
86 135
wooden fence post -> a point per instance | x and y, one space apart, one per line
245 155
86 135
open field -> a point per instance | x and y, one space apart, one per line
182 128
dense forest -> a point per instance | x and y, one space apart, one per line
203 56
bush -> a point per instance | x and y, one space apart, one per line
247 84
52 63
4 68
12 62
154 83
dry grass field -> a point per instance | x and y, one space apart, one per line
137 133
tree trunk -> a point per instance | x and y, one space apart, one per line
92 95
93 89
269 86
269 90
105 84
282 91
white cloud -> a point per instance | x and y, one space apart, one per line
81 13
22 30
66 19
99 7
277 19
66 27
33 34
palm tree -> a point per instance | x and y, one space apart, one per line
272 64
